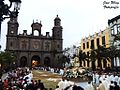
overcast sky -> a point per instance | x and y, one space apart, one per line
79 18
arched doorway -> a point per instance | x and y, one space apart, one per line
35 61
23 61
47 61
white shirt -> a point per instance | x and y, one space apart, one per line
61 84
89 87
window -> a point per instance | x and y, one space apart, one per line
98 42
12 32
118 28
83 45
47 45
24 44
57 23
58 57
103 40
88 53
36 33
115 29
92 44
112 31
11 44
87 44
58 46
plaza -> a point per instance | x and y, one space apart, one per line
32 60
51 78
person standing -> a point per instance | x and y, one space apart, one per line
101 86
41 85
89 86
61 84
111 87
116 86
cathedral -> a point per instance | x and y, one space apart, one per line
35 50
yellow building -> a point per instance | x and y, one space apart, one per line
93 41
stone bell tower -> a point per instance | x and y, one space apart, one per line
12 34
36 26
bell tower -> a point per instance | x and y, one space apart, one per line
57 29
12 33
13 27
57 35
36 27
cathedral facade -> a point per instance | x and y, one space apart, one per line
35 50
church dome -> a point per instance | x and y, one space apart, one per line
57 18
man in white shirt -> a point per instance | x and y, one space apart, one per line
89 86
61 84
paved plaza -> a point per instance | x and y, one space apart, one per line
51 78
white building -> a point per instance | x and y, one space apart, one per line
71 51
114 25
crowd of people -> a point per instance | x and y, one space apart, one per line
103 81
65 84
22 79
107 81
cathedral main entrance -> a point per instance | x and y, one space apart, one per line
35 61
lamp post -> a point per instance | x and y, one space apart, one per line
0 71
5 11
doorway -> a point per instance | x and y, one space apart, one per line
35 61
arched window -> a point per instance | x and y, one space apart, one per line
11 44
36 33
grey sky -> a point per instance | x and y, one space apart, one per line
79 18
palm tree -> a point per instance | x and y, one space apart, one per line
63 60
93 56
101 54
111 53
88 59
82 57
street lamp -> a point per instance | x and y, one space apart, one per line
5 11
0 71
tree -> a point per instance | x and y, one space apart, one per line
101 54
82 57
63 60
111 53
7 59
93 56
